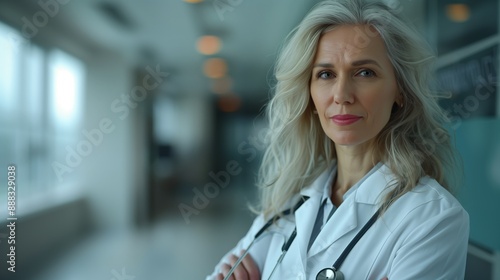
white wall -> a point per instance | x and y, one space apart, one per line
107 173
195 137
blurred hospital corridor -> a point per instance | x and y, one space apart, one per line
170 249
133 131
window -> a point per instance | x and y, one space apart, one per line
65 84
41 100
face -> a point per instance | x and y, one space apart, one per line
353 85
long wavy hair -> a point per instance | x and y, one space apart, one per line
414 143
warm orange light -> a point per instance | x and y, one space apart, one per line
229 103
458 12
215 68
222 85
193 1
208 45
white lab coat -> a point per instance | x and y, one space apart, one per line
423 235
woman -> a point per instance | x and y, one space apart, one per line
354 130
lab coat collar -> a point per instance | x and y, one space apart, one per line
371 190
345 219
375 187
305 215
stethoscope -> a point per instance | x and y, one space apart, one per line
329 273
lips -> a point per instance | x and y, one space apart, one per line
345 119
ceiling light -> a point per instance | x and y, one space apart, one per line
229 103
215 68
208 45
222 85
458 12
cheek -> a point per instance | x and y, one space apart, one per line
314 99
379 107
320 104
319 100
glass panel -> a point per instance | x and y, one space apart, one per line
166 125
460 23
479 144
66 76
41 114
9 73
33 98
472 82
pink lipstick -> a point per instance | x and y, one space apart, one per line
345 119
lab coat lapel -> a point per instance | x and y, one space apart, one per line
343 221
347 217
305 216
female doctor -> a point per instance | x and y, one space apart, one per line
354 179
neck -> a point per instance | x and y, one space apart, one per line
352 164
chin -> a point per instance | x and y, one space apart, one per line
345 142
350 141
345 139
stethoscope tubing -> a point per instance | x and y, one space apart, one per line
333 273
262 230
239 260
355 240
322 274
284 249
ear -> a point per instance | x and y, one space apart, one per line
399 100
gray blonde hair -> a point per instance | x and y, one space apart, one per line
414 143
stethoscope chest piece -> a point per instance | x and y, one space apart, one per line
329 274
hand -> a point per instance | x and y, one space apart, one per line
247 270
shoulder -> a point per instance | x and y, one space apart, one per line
429 191
428 234
428 201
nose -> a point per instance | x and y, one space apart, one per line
343 91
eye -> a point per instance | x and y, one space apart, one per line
366 73
324 75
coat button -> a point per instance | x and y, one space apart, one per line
300 276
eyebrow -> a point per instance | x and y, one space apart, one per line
354 63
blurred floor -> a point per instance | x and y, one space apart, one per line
171 249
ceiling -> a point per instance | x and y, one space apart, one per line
482 22
165 32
